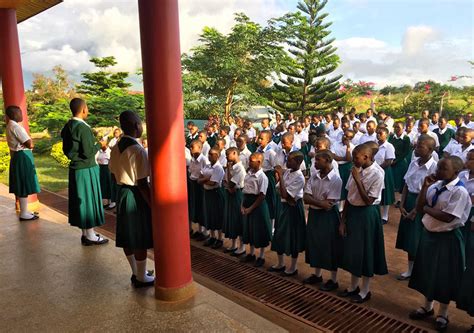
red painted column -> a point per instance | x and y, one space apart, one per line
11 71
161 57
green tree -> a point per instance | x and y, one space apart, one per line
303 83
47 90
97 83
229 72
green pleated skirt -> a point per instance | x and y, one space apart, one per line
134 228
324 244
85 198
23 180
290 236
344 172
105 181
213 208
465 299
257 226
388 193
439 265
399 170
466 231
233 225
364 251
271 195
196 202
409 232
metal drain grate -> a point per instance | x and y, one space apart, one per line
323 311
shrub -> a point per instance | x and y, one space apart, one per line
4 157
58 155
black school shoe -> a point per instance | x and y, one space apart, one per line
235 254
133 278
295 272
441 325
140 284
417 315
196 235
358 299
273 269
211 241
100 241
248 258
330 285
347 293
313 279
34 217
217 244
259 263
202 237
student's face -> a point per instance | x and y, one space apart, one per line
265 123
409 127
254 163
442 123
348 135
222 133
370 128
196 151
335 123
320 145
116 134
328 118
369 113
307 122
422 149
241 143
363 117
291 116
139 129
237 134
213 156
17 116
464 138
202 137
263 140
232 156
321 163
398 129
470 161
292 129
315 119
145 143
468 117
299 128
359 159
434 118
220 145
423 128
85 111
278 117
425 114
445 170
291 163
286 144
381 135
356 126
189 126
346 125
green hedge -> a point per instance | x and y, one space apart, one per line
4 157
58 155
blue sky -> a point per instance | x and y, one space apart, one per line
384 41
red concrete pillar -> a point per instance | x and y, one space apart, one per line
161 57
11 71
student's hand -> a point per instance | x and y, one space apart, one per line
229 165
403 211
412 215
429 180
342 229
279 170
355 174
326 205
242 210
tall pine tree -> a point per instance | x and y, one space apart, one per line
304 84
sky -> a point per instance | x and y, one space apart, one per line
388 42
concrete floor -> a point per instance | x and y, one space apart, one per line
49 282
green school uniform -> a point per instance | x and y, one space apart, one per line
400 164
444 139
134 227
233 226
364 250
213 208
211 140
23 180
388 193
105 181
465 300
344 172
323 241
85 198
257 226
409 232
290 236
272 194
439 265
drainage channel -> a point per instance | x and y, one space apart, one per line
323 311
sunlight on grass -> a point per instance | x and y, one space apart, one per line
51 175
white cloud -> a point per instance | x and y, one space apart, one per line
416 38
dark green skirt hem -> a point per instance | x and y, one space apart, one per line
233 226
290 237
409 232
23 180
257 226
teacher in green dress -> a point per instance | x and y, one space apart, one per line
85 198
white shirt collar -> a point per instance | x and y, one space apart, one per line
452 184
399 137
256 174
81 120
427 165
329 176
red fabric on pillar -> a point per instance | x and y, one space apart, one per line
161 57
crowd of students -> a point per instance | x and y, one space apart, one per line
251 186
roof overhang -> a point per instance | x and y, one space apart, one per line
26 9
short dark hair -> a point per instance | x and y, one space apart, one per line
76 105
11 110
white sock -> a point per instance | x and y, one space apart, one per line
318 272
273 227
133 264
443 310
385 212
334 276
220 235
112 205
262 253
24 213
429 305
292 268
252 250
365 286
281 261
410 269
205 231
354 282
142 273
234 244
241 247
341 205
90 234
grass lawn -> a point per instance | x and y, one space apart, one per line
51 175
